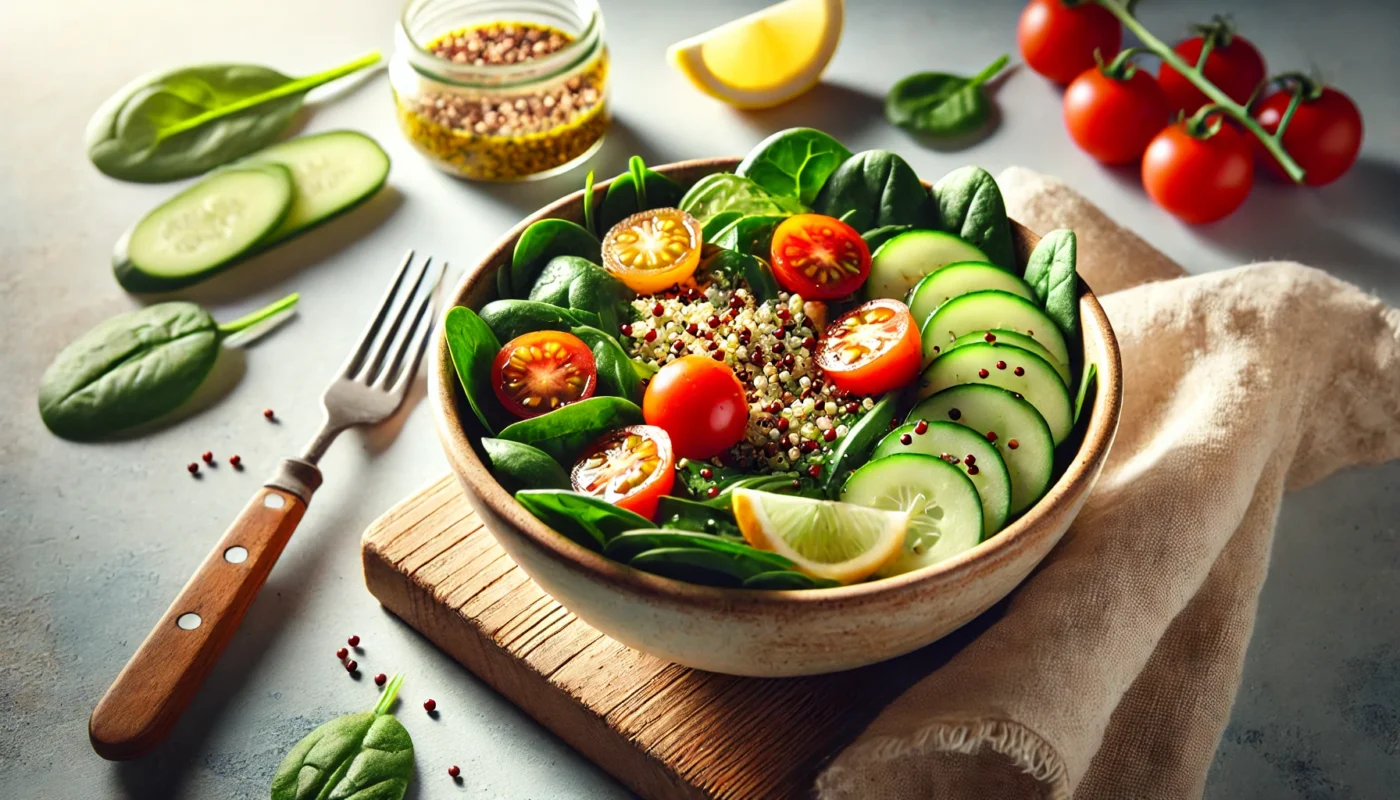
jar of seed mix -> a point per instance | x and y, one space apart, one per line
501 90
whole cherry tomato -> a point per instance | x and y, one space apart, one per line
1059 41
1113 118
1324 135
819 257
541 371
700 403
630 467
1236 69
1198 178
872 348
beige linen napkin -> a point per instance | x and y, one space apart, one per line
1112 672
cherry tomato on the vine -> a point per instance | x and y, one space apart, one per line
1059 41
541 371
653 250
1198 179
1324 136
700 403
872 348
630 467
1236 69
1114 118
819 257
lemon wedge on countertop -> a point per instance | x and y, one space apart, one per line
825 539
765 58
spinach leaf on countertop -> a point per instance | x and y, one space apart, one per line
367 755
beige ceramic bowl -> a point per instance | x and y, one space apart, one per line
773 633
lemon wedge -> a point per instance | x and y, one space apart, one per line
766 58
840 541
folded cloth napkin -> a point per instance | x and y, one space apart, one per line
1113 669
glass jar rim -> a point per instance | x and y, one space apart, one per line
498 76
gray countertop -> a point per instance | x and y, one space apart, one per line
98 538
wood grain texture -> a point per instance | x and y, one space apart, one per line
668 732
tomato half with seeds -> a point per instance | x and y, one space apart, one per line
630 467
872 348
653 250
819 257
538 372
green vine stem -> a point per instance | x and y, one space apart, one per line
245 322
1122 66
1222 101
386 700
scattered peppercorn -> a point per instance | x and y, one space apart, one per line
235 461
1001 365
1019 371
193 468
1012 443
991 436
970 459
353 641
712 492
454 770
953 413
342 654
380 679
208 457
351 666
921 427
707 473
267 412
906 439
972 469
989 337
982 373
429 705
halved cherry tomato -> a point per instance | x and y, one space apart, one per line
872 348
538 372
630 467
652 250
819 257
700 403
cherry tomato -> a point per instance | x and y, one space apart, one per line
630 467
1059 41
653 250
1324 135
819 257
700 403
1113 119
1198 180
872 348
541 371
1236 69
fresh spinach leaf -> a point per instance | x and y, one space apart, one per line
941 104
176 124
633 543
1090 373
733 196
751 235
732 266
855 447
366 756
587 520
519 466
543 241
699 566
970 207
717 223
680 514
511 318
615 374
1051 273
473 347
135 367
794 163
881 189
564 432
878 236
623 199
582 286
787 579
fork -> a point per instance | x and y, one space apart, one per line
147 698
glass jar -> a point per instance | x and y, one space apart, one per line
501 90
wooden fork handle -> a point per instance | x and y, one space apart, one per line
147 698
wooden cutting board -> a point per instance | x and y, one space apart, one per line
666 731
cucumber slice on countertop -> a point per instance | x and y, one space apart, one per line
1010 368
1015 340
947 511
956 280
1022 437
204 228
332 172
983 311
903 261
965 449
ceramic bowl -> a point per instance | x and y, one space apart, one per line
768 633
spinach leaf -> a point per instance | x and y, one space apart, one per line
582 286
1090 372
473 347
687 515
615 374
749 235
540 243
366 756
519 466
855 448
135 367
727 194
881 188
623 199
633 543
717 223
511 318
588 204
699 566
587 520
787 579
171 125
941 104
794 163
878 236
564 432
732 266
970 207
1050 272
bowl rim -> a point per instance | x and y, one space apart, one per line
470 469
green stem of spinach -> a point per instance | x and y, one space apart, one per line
1234 110
298 86
247 321
390 692
991 71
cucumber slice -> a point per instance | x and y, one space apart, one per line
965 450
997 365
332 172
903 261
1015 340
203 229
983 311
987 409
947 512
956 280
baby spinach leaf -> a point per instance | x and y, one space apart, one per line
717 223
855 447
582 286
552 286
519 466
733 196
1050 272
623 199
473 347
171 125
941 104
749 234
794 163
587 520
633 543
366 756
787 579
970 206
881 189
564 432
135 367
540 243
615 374
878 236
678 513
698 565
511 318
